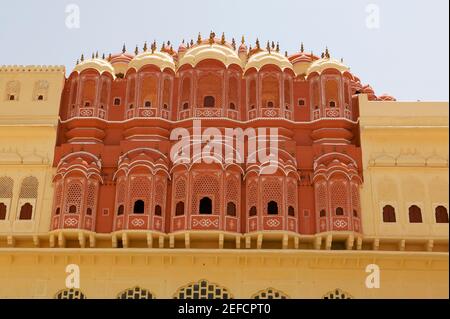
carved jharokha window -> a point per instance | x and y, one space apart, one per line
232 106
253 211
415 214
139 207
135 293
158 210
272 208
2 211
58 211
209 101
202 290
339 211
89 212
185 106
205 206
337 294
148 104
72 209
71 293
323 213
120 210
389 214
231 209
26 212
441 215
179 211
291 211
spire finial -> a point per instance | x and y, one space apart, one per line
124 48
192 42
77 62
109 57
327 53
233 43
286 54
199 38
273 45
302 48
93 55
222 41
257 43
145 46
277 47
82 57
153 46
268 46
96 55
103 56
211 37
163 46
243 40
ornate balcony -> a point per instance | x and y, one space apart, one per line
88 112
272 223
206 223
270 113
145 112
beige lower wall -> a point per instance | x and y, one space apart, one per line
40 273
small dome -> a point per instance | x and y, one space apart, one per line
387 97
327 63
214 51
262 58
120 62
160 59
97 64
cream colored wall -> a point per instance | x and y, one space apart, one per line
27 140
299 274
405 161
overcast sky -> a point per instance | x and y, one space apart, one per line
399 47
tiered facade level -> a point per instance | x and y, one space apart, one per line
357 175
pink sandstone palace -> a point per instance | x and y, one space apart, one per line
113 147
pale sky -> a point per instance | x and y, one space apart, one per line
407 55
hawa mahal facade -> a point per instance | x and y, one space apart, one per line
87 177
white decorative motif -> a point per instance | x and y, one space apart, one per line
339 223
270 113
137 222
205 222
273 222
70 222
147 113
209 113
333 113
86 112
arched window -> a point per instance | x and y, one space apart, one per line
232 106
89 211
58 211
139 207
253 211
185 106
270 293
415 214
117 101
12 97
40 98
148 104
2 211
71 293
332 104
120 210
339 211
231 209
135 293
205 206
272 208
337 294
158 210
179 210
202 290
270 104
355 213
209 101
72 209
441 215
389 214
26 212
323 213
291 211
